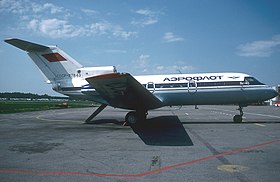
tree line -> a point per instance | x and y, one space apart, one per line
9 95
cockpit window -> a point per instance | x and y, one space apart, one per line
252 81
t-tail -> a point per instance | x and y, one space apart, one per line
66 75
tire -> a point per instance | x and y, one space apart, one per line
237 118
134 117
131 118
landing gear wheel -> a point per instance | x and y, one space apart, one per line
134 117
237 118
131 118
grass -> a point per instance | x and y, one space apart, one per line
25 106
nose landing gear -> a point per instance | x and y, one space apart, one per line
238 118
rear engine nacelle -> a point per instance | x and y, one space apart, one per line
92 71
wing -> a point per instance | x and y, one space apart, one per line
123 91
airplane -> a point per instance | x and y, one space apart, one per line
141 93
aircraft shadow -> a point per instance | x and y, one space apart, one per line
105 121
231 122
163 131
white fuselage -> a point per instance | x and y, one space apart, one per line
189 89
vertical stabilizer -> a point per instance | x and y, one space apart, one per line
54 63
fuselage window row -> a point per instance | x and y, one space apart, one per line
250 81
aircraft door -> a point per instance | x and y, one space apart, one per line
150 86
192 87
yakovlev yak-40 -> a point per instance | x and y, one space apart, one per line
142 93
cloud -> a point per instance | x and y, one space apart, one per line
13 6
115 51
90 12
57 28
145 12
46 7
173 69
148 17
144 65
119 32
104 27
49 20
170 37
21 7
262 48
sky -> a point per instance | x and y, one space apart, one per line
143 37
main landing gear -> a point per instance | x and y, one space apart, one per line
134 117
238 118
131 118
95 113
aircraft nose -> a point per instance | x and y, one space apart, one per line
273 93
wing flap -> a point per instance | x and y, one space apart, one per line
123 91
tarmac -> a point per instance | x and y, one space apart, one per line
174 144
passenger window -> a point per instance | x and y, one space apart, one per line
150 85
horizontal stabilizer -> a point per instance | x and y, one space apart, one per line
26 46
